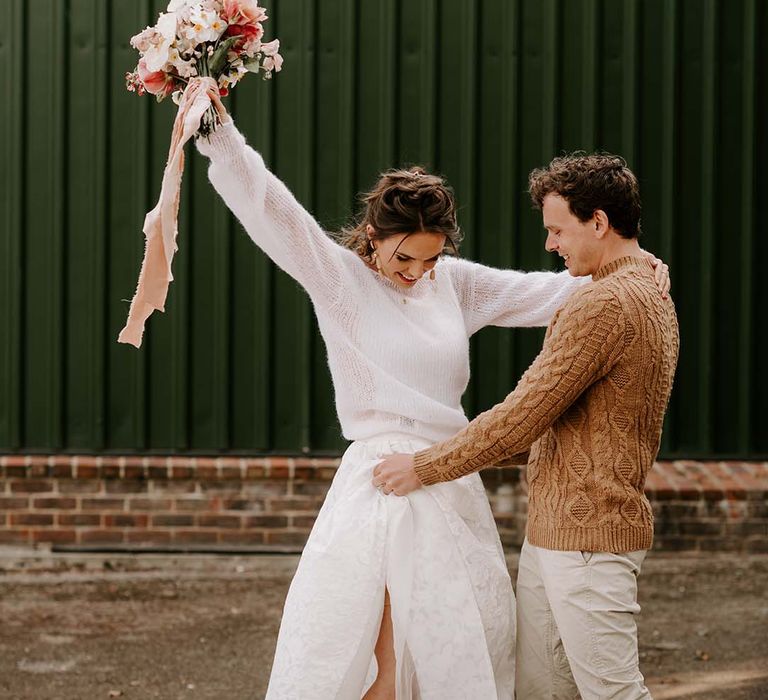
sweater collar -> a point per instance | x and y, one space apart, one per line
627 261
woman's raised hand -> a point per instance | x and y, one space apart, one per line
662 273
218 105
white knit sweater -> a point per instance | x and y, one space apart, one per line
399 358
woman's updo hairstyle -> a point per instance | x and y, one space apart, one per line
404 201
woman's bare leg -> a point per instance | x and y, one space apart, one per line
383 687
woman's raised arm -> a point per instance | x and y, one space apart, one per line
271 215
512 298
509 298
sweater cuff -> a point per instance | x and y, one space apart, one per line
424 469
224 143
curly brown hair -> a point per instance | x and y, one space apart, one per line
592 182
404 201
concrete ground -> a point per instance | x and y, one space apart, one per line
203 627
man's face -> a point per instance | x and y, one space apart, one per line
574 241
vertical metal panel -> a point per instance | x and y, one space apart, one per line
495 233
128 200
629 80
539 26
209 322
727 248
543 65
656 159
536 139
669 166
334 178
578 75
335 162
251 288
708 157
416 81
86 223
759 203
170 342
611 76
457 124
745 360
44 210
170 392
590 29
482 91
208 329
294 163
12 177
375 83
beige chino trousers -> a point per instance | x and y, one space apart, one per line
576 630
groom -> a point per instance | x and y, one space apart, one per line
590 410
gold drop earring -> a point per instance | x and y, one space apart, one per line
376 260
432 274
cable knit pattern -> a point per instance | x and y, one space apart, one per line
590 408
399 357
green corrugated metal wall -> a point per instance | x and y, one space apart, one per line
480 90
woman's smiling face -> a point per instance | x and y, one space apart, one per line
405 258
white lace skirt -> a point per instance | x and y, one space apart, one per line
438 553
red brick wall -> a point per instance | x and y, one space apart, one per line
271 503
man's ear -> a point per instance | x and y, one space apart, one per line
601 223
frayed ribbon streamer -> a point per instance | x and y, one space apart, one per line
161 224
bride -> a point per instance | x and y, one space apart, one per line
393 597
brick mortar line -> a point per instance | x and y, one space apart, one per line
275 501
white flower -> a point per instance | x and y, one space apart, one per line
271 47
204 25
157 55
186 69
273 61
166 25
218 25
234 76
144 40
184 8
185 46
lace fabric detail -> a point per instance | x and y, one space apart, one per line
438 552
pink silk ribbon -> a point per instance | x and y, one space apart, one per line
161 224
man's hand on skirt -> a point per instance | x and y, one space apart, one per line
396 475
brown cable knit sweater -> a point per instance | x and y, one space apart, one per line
590 409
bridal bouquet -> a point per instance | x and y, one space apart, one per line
198 49
221 39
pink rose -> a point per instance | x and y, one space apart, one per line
243 12
157 82
247 32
